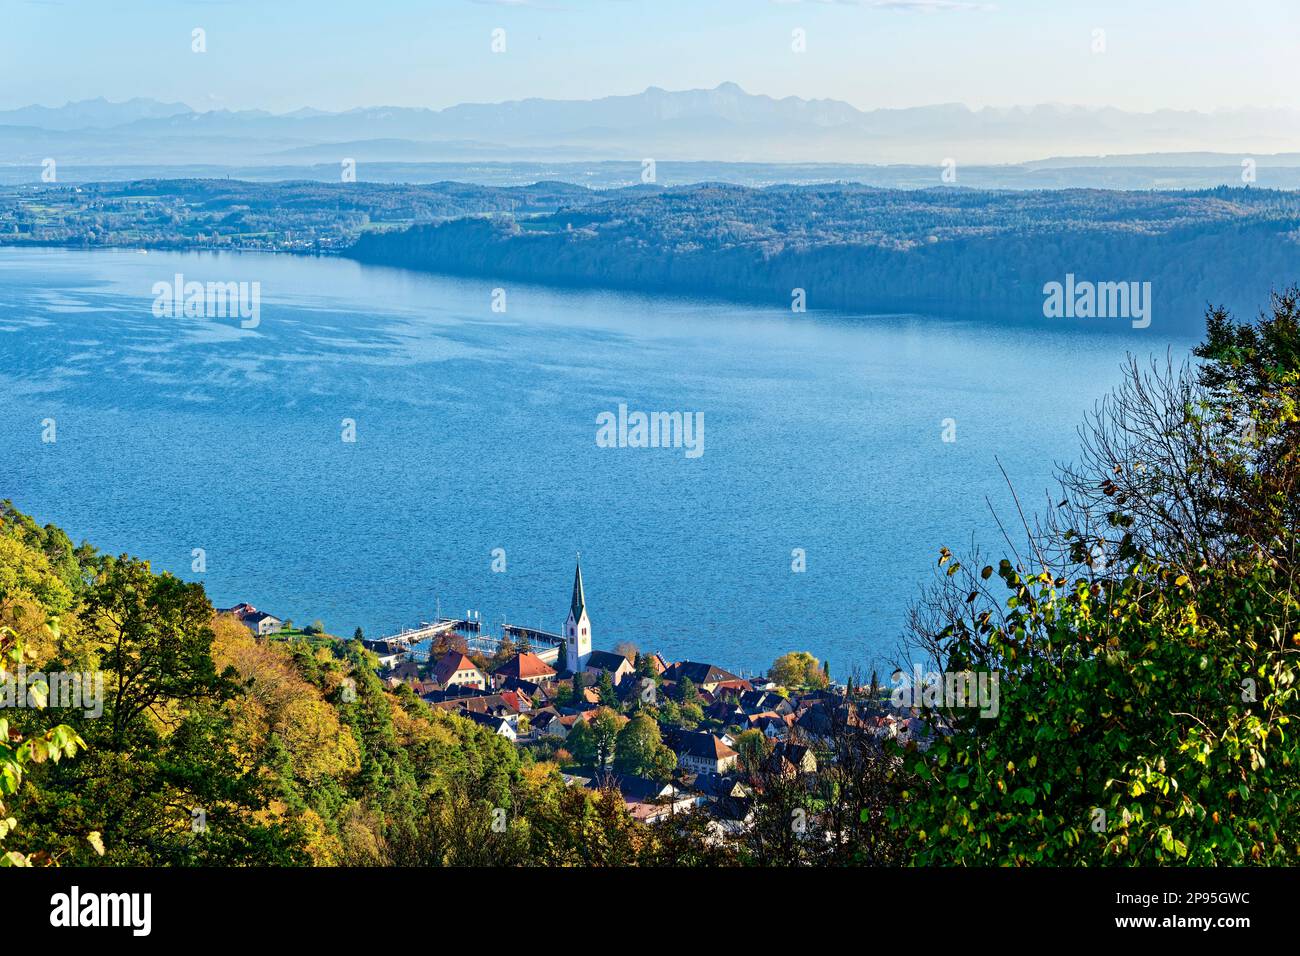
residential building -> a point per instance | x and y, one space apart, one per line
616 666
524 666
455 668
259 622
701 752
706 677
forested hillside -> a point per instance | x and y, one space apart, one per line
232 214
214 748
858 248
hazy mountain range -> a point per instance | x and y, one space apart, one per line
722 124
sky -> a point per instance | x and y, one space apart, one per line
330 54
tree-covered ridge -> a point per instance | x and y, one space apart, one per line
233 214
865 249
215 747
803 217
848 246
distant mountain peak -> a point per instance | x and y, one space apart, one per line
95 113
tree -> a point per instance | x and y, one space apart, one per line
670 713
645 667
17 751
592 741
798 670
605 687
639 750
687 693
754 748
1146 682
564 695
692 714
505 651
166 778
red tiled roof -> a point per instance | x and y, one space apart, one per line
525 666
449 664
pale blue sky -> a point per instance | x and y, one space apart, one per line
330 54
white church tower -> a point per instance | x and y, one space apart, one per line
577 628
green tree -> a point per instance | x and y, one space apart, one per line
1145 652
605 687
754 749
17 751
639 750
166 779
798 670
592 741
645 667
687 692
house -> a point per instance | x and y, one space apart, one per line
404 672
453 694
259 622
773 725
825 720
761 701
706 677
498 725
455 668
389 654
728 797
524 666
517 702
719 787
725 712
701 752
649 801
643 789
734 686
539 693
800 758
506 706
616 666
547 722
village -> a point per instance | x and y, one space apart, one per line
671 736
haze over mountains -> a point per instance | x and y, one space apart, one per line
721 124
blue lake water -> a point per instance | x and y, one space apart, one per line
476 430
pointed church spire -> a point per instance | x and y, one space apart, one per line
578 605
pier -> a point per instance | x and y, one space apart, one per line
547 645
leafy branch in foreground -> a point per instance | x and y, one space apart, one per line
1148 650
17 751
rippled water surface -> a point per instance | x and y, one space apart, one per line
476 430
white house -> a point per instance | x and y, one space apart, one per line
705 753
455 669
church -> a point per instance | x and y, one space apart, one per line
577 628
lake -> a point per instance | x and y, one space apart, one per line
476 430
